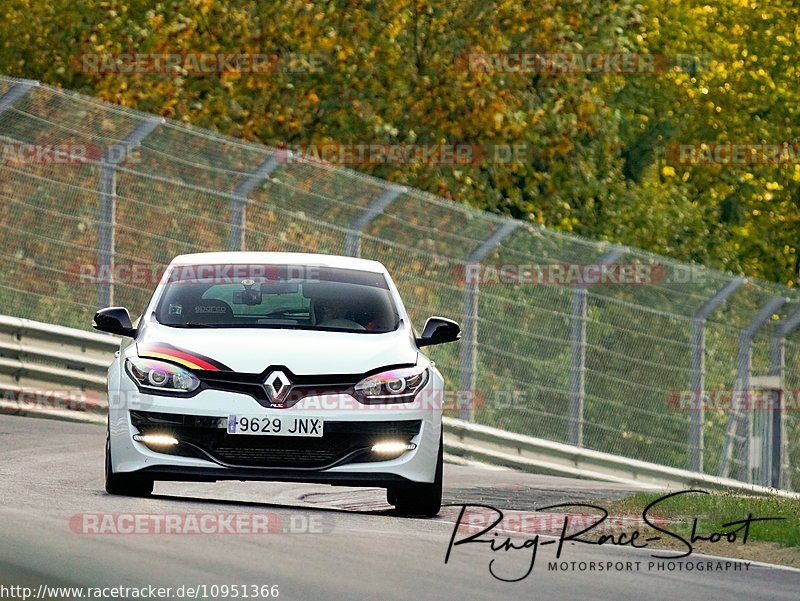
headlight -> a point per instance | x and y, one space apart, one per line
393 386
160 376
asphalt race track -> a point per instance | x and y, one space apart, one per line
51 470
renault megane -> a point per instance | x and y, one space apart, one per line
276 366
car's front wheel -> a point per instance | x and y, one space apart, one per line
420 499
131 485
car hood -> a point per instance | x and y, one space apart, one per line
303 352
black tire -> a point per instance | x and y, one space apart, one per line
130 485
420 500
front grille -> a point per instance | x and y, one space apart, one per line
301 386
208 438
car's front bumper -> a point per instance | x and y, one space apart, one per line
212 454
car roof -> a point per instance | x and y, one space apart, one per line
278 258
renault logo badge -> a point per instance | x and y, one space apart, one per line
277 386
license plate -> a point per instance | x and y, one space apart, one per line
275 425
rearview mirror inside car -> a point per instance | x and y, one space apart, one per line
280 287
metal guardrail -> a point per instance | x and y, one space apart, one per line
497 447
53 371
59 372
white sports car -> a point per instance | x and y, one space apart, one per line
276 366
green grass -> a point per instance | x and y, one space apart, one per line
715 509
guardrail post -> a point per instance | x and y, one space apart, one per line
18 90
778 452
239 200
696 429
113 156
469 326
352 245
577 339
740 427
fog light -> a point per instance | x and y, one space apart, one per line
392 447
156 440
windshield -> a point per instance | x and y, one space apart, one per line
282 296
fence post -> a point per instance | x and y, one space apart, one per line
696 430
469 326
352 245
113 156
239 200
16 92
777 425
738 428
577 339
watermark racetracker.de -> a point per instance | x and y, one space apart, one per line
200 523
18 154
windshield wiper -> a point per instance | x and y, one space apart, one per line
191 324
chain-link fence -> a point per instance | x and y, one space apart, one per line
572 340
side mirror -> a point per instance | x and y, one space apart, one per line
439 330
114 320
